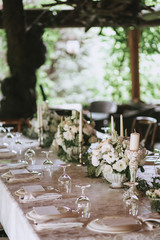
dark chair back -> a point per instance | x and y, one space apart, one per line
103 107
147 127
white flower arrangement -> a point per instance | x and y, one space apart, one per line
50 123
153 193
66 140
111 156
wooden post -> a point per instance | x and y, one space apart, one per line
133 37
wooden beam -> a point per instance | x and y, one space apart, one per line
133 37
68 18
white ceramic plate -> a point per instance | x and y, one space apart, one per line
115 224
62 212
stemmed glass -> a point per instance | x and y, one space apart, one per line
157 162
2 132
64 181
83 204
30 156
106 129
131 199
47 161
9 137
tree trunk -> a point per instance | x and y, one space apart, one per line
26 53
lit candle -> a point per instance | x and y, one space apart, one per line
112 124
80 125
134 141
121 126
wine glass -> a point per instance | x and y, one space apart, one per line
47 161
8 141
2 132
157 162
64 181
131 199
30 156
83 204
106 131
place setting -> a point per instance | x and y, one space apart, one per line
35 193
20 175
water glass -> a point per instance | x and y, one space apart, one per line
83 205
64 181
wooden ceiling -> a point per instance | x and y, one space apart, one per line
89 13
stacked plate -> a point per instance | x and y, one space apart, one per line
115 224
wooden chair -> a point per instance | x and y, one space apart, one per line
16 123
147 127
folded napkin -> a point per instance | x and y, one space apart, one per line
20 177
7 166
6 153
44 214
57 225
151 220
38 196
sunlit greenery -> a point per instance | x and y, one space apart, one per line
98 67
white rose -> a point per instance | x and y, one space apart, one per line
74 129
68 135
107 169
106 147
95 161
96 152
59 141
109 157
66 127
119 166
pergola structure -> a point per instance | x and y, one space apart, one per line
26 50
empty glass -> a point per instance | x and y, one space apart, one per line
64 181
106 131
2 133
157 162
83 205
47 161
8 140
30 156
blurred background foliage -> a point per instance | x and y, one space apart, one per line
81 66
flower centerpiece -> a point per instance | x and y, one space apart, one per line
110 159
66 142
154 197
50 122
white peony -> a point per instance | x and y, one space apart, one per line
119 166
74 129
96 151
59 141
68 135
106 147
110 157
95 161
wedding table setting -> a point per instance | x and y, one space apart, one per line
80 187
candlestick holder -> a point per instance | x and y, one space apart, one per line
40 137
80 153
133 164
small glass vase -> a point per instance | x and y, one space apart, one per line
155 204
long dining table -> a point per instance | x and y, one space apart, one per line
104 200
